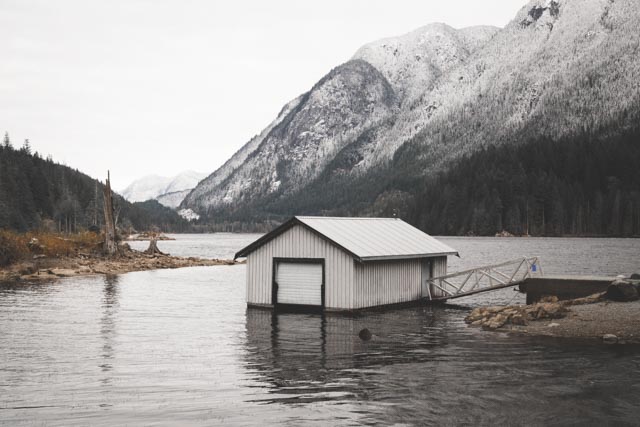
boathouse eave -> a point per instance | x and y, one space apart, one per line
243 253
401 257
363 259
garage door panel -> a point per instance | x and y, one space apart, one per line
299 283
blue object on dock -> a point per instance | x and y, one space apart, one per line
534 267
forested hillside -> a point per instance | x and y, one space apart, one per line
37 192
585 185
578 186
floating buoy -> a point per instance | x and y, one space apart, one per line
365 334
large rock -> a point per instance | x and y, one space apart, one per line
499 316
621 290
548 310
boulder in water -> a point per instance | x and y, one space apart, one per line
621 290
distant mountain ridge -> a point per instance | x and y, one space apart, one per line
376 132
169 191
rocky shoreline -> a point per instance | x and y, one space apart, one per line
49 268
610 317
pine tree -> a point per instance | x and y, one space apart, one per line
26 147
7 141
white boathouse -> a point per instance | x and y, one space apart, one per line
336 264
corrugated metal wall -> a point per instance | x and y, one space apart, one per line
387 282
298 242
439 268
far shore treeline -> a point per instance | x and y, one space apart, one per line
37 193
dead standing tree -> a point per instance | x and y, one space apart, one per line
110 246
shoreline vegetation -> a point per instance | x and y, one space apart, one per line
42 256
612 317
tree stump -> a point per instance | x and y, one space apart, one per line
153 248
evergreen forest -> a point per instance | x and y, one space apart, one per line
39 193
580 185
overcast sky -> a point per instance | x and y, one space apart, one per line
146 87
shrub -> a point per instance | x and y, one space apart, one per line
87 240
55 245
13 247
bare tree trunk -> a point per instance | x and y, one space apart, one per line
110 246
95 205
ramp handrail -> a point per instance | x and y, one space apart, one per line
483 279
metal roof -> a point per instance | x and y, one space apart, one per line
366 239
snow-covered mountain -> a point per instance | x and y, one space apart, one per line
410 106
308 133
173 199
170 191
416 60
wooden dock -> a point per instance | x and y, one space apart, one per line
564 287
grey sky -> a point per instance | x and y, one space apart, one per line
157 87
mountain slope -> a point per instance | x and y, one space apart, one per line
215 179
153 186
557 68
349 100
560 70
417 60
172 200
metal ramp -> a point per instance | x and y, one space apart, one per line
483 279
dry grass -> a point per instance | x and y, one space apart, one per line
15 247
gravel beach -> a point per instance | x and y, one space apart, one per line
621 319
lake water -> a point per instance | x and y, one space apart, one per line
179 347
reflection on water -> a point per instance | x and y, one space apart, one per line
107 324
179 347
305 357
423 366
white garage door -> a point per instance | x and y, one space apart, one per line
299 283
